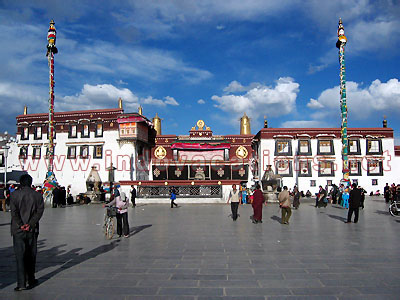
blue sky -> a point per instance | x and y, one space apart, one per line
210 60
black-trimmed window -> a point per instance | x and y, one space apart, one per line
325 147
99 129
73 131
98 151
71 152
355 167
283 147
354 147
37 135
36 152
23 152
84 151
284 168
304 168
326 168
85 132
375 167
304 147
374 146
2 161
25 133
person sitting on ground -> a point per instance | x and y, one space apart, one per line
308 194
322 199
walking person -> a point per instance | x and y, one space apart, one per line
257 204
27 208
234 198
284 203
296 197
121 203
354 203
173 198
133 195
386 192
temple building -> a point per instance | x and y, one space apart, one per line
198 165
201 165
310 157
105 139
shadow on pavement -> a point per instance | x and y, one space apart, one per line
137 229
48 258
277 219
382 212
342 219
4 224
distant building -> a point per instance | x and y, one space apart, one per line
310 157
106 139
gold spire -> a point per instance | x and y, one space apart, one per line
245 125
384 122
25 110
140 110
120 105
157 124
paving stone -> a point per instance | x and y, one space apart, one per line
194 254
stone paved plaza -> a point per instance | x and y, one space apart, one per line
197 252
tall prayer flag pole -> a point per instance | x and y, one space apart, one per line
50 181
341 42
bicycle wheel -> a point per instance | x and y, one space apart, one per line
393 210
110 228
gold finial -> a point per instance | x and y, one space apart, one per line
25 110
384 122
245 125
120 103
157 124
265 122
140 110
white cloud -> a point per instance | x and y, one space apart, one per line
220 27
275 101
201 101
163 103
362 102
106 96
234 87
98 96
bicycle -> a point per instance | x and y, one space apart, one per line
394 208
109 222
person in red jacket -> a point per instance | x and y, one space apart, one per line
258 200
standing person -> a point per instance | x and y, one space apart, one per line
133 195
362 197
322 200
121 203
284 203
234 198
257 204
27 208
173 198
56 197
296 197
354 203
3 199
386 192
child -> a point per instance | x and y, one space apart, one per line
345 198
173 197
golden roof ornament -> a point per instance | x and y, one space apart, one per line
245 125
200 124
120 103
25 110
384 122
140 110
157 124
265 122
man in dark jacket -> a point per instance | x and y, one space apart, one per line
27 208
354 203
